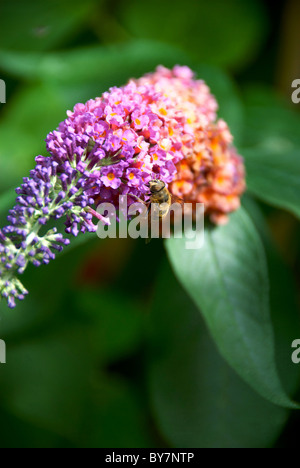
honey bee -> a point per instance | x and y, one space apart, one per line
160 195
161 198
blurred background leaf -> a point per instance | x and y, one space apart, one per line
54 372
24 125
274 176
94 64
34 25
110 341
270 121
201 28
271 149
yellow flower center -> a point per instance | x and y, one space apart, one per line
163 111
165 144
111 176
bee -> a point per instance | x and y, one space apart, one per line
161 198
160 195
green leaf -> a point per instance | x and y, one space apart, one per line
222 33
273 176
228 281
38 25
284 301
198 400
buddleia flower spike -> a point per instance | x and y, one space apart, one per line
163 125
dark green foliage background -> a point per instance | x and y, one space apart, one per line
110 349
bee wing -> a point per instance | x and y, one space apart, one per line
175 199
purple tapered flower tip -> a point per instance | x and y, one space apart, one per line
21 261
11 302
2 236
